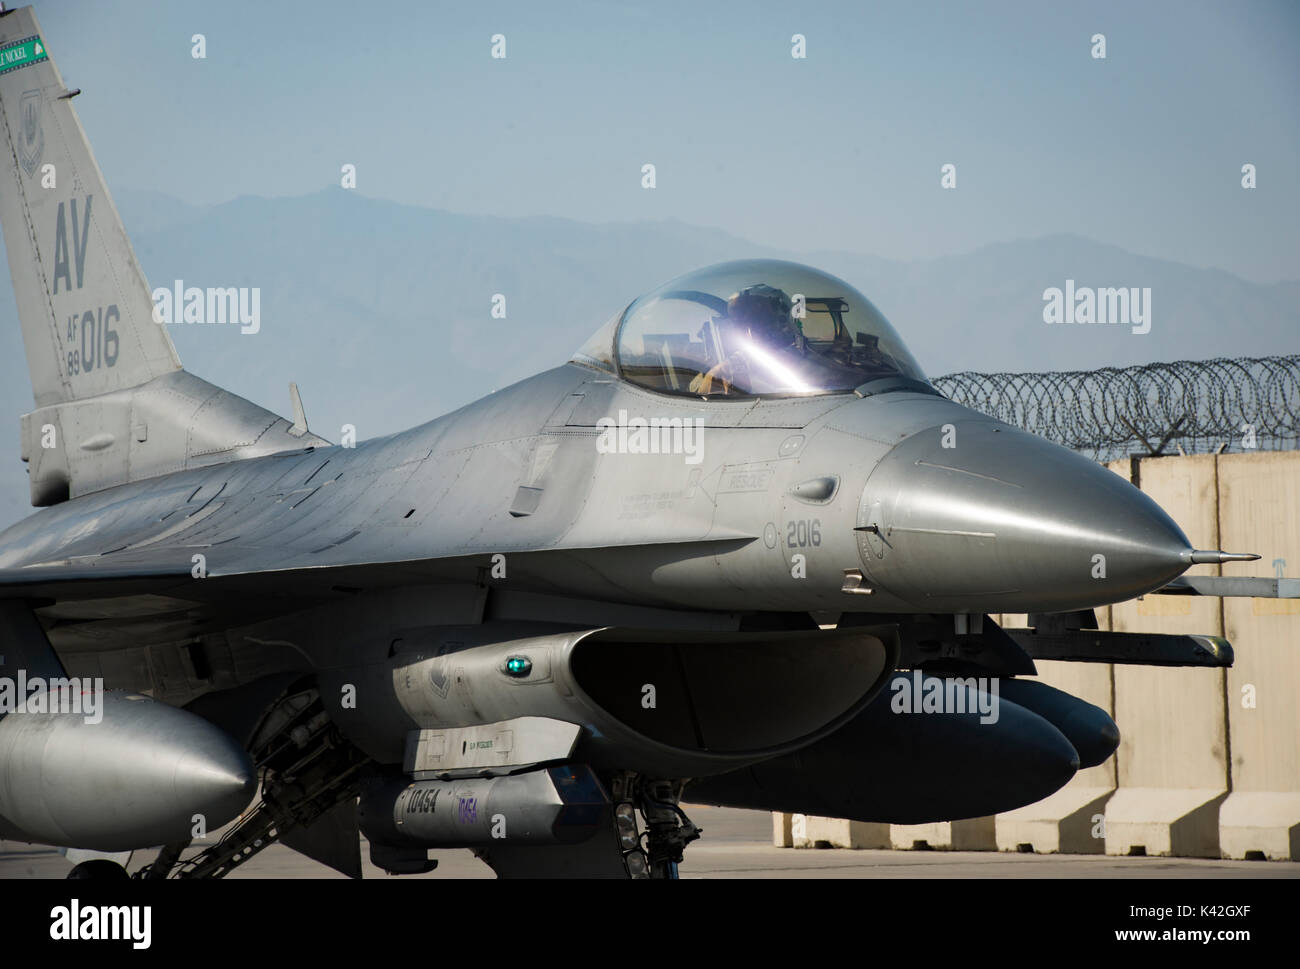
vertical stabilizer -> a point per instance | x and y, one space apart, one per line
112 402
85 308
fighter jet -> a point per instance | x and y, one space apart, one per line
699 562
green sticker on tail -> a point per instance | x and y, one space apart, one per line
21 54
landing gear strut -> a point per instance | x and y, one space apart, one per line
657 851
306 768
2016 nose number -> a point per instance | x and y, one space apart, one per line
803 532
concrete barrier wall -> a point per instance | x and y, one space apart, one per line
1259 510
1209 761
1072 819
1172 762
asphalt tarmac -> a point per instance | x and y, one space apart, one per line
738 844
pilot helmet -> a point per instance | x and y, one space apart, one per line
766 311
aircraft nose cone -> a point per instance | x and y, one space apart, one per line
978 516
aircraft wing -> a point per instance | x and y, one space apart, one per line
188 554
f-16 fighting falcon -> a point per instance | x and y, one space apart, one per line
700 562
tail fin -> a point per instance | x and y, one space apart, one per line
112 402
84 305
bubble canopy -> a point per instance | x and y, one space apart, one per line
755 328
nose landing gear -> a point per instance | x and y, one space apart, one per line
657 851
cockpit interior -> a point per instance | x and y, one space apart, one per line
755 328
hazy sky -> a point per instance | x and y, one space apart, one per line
840 150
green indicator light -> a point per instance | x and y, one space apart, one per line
519 665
